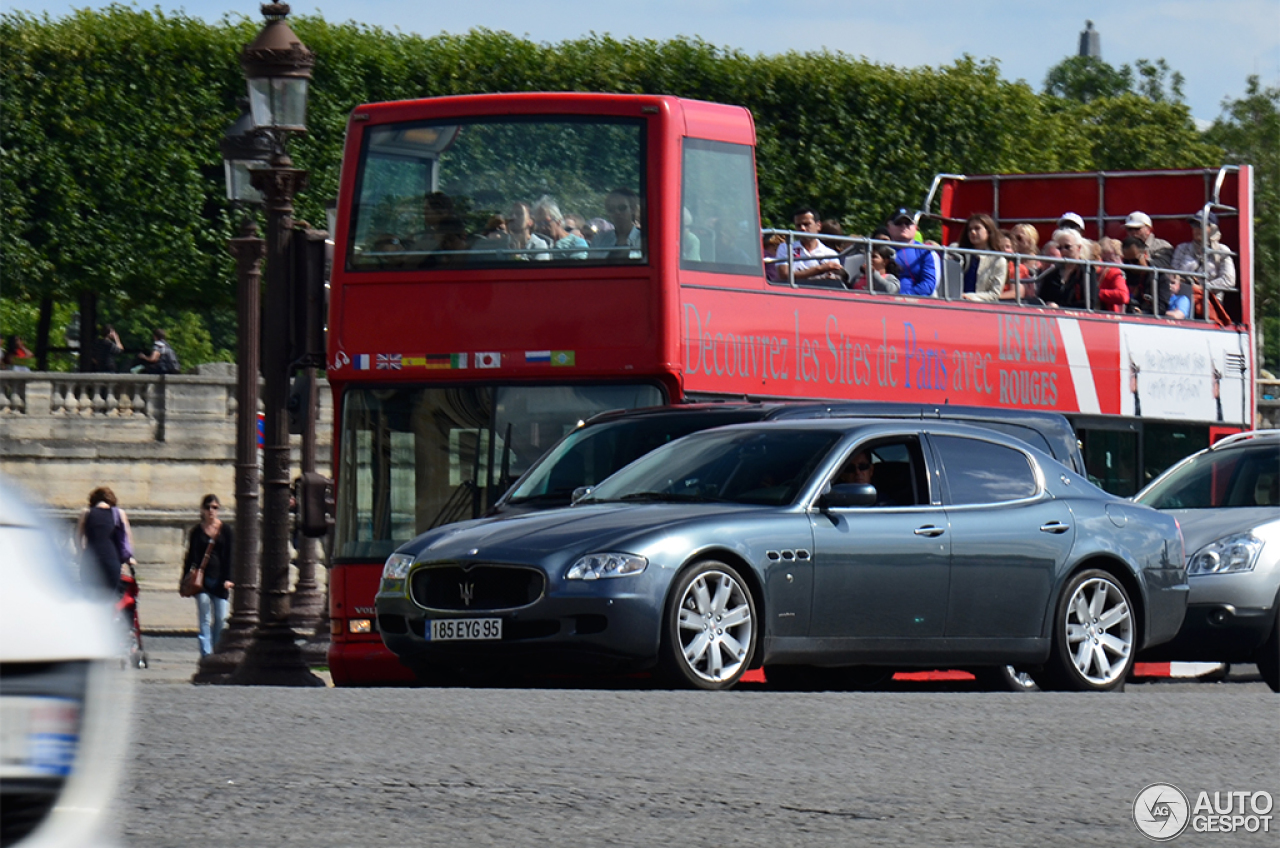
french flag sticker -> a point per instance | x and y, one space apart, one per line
361 361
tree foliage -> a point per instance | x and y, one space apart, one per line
111 173
1248 130
1087 78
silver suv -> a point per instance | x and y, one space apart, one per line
1227 500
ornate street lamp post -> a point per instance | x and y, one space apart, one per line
277 67
242 150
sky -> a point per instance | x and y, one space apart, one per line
1216 46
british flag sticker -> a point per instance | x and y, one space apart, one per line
388 362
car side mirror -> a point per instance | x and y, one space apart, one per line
850 494
580 493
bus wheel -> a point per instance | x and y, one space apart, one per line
709 627
1093 635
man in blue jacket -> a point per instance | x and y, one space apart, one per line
918 274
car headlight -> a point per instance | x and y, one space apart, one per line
397 567
595 566
1228 555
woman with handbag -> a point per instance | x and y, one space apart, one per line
106 542
206 574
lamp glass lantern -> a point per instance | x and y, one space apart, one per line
279 102
244 149
277 66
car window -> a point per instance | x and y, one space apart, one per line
737 466
895 468
1247 477
980 472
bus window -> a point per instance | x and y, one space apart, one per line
431 195
720 230
1165 444
1110 459
414 458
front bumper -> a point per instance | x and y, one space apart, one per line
366 663
612 631
1217 633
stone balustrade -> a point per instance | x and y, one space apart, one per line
160 442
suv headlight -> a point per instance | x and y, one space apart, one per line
595 566
1228 555
397 567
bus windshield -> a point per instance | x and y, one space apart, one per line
414 458
486 192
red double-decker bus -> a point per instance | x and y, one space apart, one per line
507 265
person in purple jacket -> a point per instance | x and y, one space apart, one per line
918 275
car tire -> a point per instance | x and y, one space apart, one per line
1269 656
1004 678
1094 635
709 628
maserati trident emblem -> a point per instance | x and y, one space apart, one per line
468 592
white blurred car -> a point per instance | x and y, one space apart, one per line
64 699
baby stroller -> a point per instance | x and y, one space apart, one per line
131 652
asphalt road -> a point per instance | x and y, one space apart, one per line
222 766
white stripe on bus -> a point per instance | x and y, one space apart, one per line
1078 361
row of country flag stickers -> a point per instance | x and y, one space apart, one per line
483 359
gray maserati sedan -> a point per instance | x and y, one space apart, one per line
834 550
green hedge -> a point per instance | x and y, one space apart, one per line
111 174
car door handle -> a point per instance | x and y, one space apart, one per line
929 531
1054 527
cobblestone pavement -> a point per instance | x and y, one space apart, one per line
231 766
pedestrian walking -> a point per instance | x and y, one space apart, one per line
210 545
105 541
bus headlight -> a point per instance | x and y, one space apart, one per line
595 566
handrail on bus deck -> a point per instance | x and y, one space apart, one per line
865 243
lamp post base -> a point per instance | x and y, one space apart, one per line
274 658
217 668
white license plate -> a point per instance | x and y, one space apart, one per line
38 736
469 629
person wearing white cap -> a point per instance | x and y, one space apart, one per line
1072 221
1161 252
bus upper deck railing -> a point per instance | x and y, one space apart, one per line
949 287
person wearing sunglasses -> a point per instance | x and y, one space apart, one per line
212 543
856 470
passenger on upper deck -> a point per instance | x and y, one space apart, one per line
622 205
809 256
1113 291
984 276
1071 221
1065 284
884 272
1220 269
1133 250
549 222
436 208
919 275
1160 251
1179 303
520 235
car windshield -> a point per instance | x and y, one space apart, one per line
589 454
761 467
1238 477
